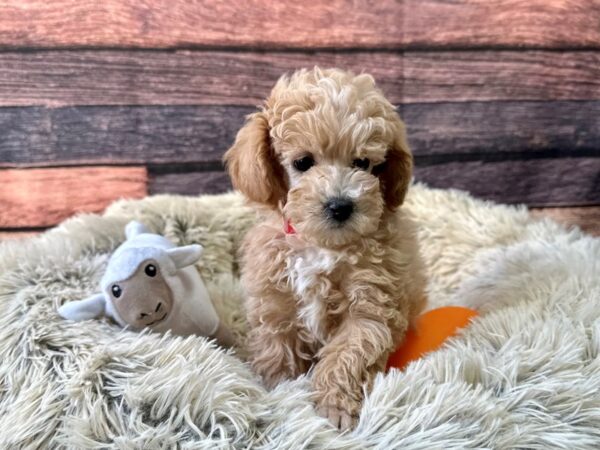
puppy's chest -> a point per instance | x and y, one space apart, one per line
316 277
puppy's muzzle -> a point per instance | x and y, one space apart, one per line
339 209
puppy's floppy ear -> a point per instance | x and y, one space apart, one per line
396 172
253 166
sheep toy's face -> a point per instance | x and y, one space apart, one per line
144 299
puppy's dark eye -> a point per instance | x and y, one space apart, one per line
303 164
150 270
362 164
116 290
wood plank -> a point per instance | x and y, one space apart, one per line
500 75
44 197
499 23
287 23
495 128
58 78
535 182
181 23
39 136
197 183
62 78
190 183
538 182
587 218
123 135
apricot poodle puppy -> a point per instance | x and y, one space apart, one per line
332 274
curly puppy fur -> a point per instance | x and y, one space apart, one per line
340 292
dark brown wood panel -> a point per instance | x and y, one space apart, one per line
287 23
40 136
500 75
44 197
537 182
59 78
586 217
116 135
191 183
492 129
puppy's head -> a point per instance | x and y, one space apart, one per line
328 151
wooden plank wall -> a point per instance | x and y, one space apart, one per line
100 100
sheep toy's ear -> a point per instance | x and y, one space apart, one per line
86 309
185 256
134 228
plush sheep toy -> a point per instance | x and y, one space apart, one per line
151 283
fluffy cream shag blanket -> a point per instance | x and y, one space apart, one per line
525 374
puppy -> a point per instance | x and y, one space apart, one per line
332 274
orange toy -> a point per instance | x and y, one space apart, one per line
429 333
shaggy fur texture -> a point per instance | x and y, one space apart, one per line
525 376
339 293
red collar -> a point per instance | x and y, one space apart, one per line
287 227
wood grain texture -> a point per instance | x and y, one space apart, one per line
190 183
540 182
500 76
140 77
537 182
287 23
39 136
495 128
44 197
176 23
63 78
468 23
587 218
123 135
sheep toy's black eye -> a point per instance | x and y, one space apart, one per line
303 164
362 164
150 270
116 290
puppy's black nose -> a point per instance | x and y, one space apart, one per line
339 209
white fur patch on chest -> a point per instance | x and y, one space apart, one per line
310 272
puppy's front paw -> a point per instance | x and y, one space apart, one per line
342 417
